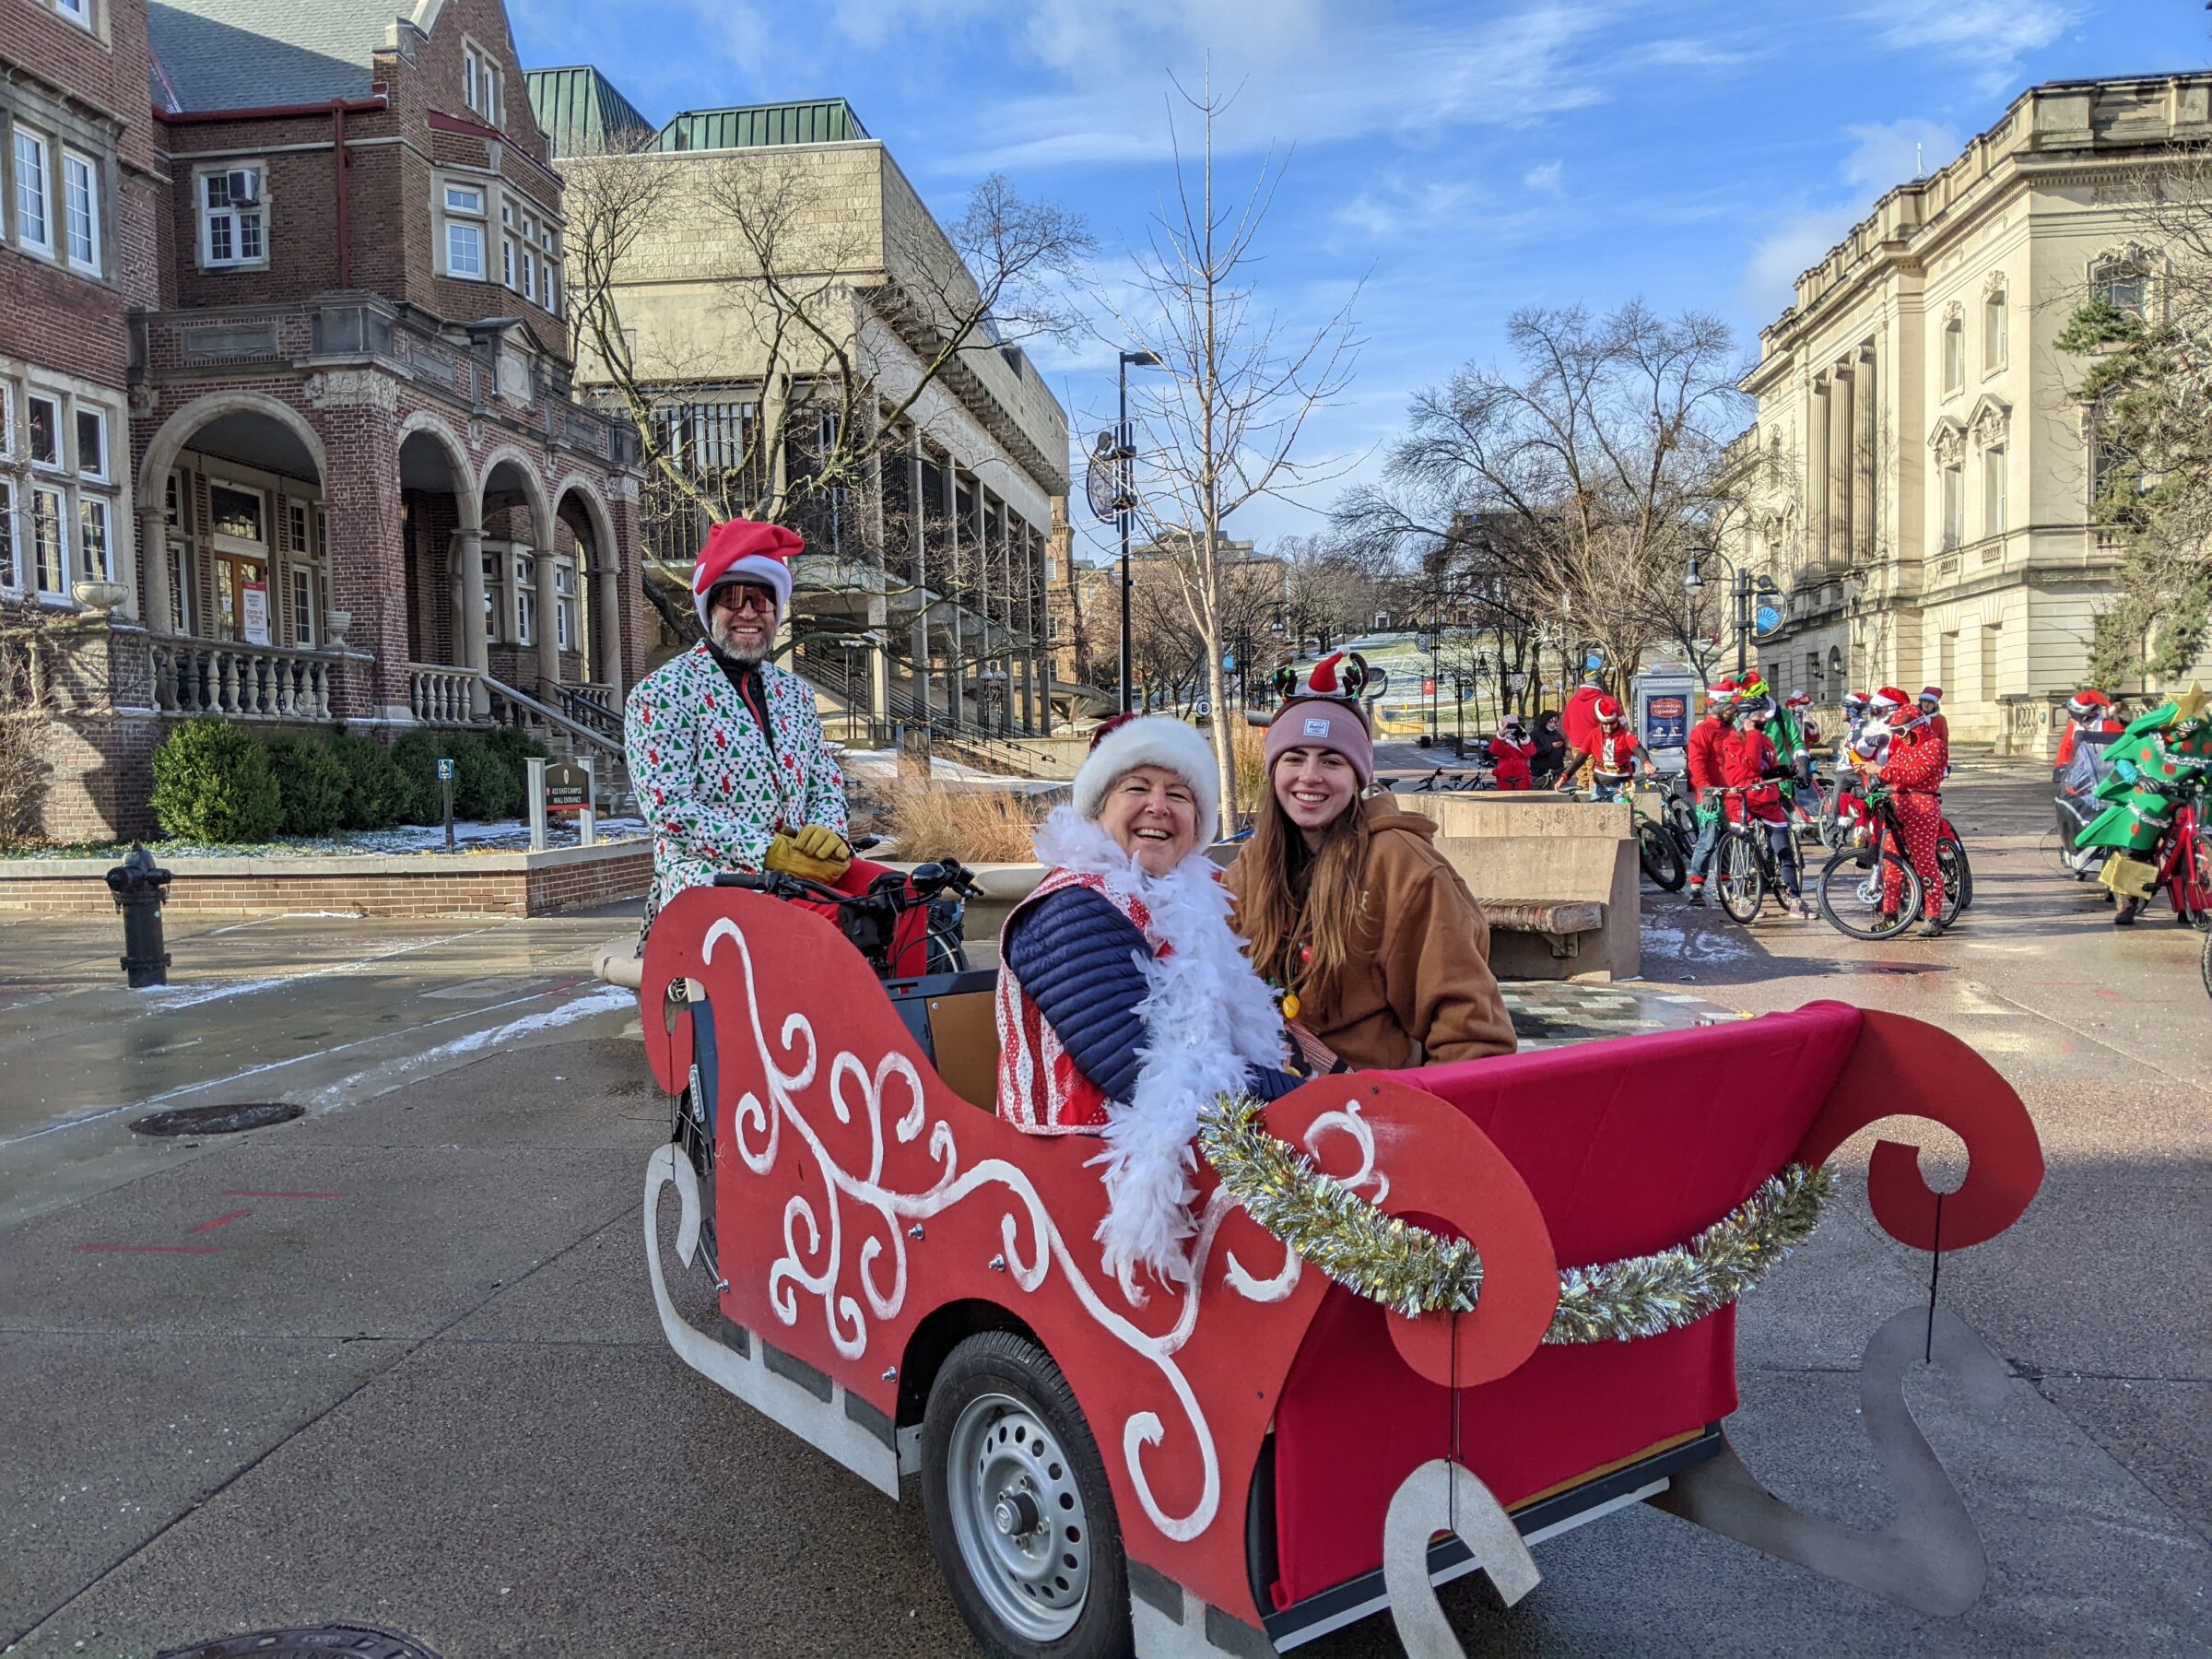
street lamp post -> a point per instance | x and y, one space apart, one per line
1125 453
1741 589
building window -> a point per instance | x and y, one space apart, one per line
236 514
529 274
7 422
92 444
295 518
34 193
92 537
525 597
1993 332
80 208
481 82
2121 284
49 546
233 217
303 605
1954 507
495 594
464 231
78 12
507 260
1993 491
564 606
45 430
1954 356
11 572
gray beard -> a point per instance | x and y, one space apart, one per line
751 656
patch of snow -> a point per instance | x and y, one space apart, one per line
604 1000
1663 939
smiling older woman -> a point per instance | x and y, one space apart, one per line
1124 1000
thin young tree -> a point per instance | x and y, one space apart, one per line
1219 424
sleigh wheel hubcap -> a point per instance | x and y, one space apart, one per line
1018 1516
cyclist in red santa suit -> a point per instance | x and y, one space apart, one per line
1752 765
1913 769
1708 742
1614 751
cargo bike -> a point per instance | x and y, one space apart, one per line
1243 1464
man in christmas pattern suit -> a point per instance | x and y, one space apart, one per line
1918 756
726 749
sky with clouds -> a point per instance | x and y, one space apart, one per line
1451 159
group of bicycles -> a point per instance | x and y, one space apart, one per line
1866 887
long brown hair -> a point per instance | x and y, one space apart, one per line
1294 899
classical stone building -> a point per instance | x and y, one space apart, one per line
1919 478
303 389
923 593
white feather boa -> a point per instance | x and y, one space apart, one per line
1207 1018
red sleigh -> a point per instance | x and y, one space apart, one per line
912 1286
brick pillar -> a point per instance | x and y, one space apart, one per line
368 557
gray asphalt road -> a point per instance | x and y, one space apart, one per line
396 1362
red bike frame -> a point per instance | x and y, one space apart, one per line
2181 864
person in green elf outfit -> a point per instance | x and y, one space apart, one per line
2159 759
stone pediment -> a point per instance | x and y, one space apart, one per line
1949 440
1989 420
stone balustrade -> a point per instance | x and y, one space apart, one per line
247 682
439 693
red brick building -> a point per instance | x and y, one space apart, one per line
289 435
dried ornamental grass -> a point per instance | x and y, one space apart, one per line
973 825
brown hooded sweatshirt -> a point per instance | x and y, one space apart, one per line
1416 987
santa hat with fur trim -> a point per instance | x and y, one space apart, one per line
1128 741
745 550
1886 699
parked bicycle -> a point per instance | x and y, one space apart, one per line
1660 849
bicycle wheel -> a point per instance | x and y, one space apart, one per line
1742 880
1851 886
1958 880
1662 860
2203 965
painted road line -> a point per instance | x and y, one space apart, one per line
222 1220
153 1248
256 1193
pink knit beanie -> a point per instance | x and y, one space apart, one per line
1326 722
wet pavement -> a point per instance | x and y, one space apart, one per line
397 1362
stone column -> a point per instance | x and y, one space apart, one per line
475 649
1863 458
955 661
548 630
1841 465
153 559
607 623
1815 475
919 510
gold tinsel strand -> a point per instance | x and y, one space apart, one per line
1413 1271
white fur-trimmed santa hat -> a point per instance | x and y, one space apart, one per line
1128 741
745 550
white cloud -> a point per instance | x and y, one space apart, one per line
1795 244
1885 155
1990 36
1546 177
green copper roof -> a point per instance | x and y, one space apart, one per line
580 109
754 127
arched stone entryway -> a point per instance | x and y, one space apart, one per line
585 534
439 525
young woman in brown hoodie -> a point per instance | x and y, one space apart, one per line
1350 912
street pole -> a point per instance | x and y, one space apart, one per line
1743 623
1120 440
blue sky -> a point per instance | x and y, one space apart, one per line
1454 161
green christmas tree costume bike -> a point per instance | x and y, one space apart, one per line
2162 757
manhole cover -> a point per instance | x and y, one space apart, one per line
218 1119
356 1642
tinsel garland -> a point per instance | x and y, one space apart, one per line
1414 1271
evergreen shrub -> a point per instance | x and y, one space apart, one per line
213 782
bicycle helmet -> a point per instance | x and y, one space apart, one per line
1757 709
1812 730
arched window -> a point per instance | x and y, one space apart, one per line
2122 283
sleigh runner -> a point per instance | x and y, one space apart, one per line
1244 1464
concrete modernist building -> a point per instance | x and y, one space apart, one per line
1919 477
288 364
923 593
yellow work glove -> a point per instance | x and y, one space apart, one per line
818 853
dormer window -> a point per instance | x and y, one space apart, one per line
481 83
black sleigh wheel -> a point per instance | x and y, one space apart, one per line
1020 1516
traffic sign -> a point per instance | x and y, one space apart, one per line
445 769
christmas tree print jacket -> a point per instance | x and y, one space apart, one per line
708 782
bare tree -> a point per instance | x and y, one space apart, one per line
1592 468
1220 429
832 329
26 712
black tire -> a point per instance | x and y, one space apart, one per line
1740 881
1958 880
999 1366
1662 859
2203 965
1841 880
